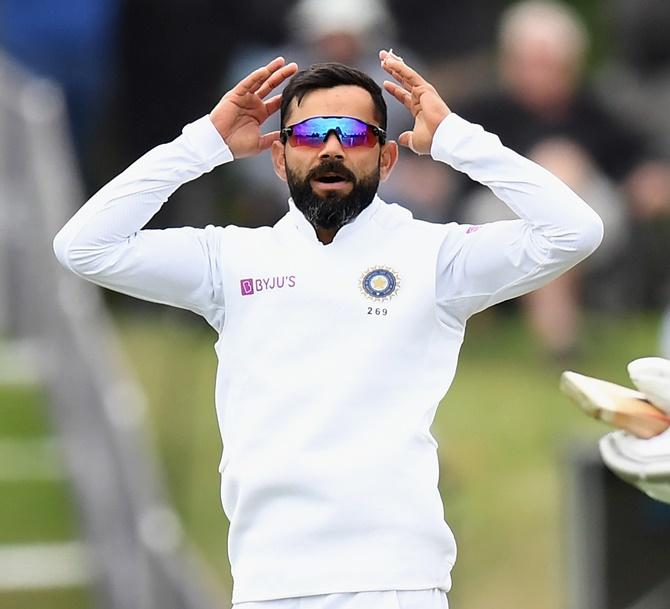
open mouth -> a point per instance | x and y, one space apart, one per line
331 182
330 179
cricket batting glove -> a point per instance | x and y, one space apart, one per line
645 463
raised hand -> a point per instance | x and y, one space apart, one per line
419 97
241 112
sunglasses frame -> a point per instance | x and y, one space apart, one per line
378 132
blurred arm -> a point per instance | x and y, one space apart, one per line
484 265
103 242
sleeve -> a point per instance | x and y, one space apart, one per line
479 266
103 242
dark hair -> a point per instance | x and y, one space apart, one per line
326 76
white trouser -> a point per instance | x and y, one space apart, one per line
386 599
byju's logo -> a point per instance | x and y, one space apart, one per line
247 287
252 286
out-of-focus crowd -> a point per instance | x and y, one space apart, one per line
135 71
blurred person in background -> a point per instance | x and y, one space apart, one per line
349 32
72 42
340 326
636 81
545 109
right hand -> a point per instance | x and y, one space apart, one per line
241 112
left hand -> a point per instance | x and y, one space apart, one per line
419 97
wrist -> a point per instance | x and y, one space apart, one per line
207 142
218 125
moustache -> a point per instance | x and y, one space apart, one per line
331 168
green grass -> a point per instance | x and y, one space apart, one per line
46 599
34 511
31 511
176 365
504 429
22 413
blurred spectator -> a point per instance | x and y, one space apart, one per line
71 42
637 81
545 111
350 32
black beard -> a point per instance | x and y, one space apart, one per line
334 210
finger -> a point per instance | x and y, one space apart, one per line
252 83
276 79
266 140
273 104
398 77
384 53
396 66
400 80
403 96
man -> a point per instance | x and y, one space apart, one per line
339 327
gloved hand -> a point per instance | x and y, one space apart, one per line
645 463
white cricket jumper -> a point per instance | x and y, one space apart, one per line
332 359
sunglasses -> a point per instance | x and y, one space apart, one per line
351 132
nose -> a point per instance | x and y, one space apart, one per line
331 148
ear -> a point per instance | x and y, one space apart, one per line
279 159
388 159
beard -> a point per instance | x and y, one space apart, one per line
333 210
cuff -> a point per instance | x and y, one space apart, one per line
449 135
207 143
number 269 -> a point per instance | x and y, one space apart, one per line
377 311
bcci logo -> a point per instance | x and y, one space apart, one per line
379 283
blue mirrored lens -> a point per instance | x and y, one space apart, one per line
350 131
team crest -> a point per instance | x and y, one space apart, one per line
380 283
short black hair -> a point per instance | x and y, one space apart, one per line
326 76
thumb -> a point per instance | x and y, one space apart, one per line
266 140
405 140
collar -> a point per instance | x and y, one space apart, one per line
297 219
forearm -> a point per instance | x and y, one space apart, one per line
104 242
562 222
555 230
122 207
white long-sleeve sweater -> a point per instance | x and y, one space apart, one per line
332 359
